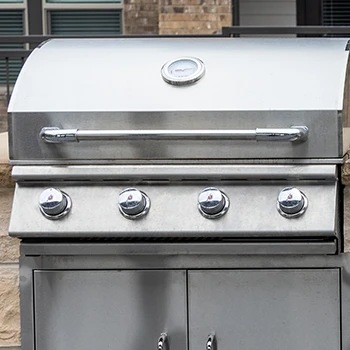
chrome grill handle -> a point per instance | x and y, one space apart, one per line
162 341
57 135
211 343
292 134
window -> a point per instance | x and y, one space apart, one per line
323 12
78 17
12 22
58 17
336 12
71 22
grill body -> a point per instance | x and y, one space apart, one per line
263 131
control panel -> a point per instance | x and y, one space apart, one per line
133 204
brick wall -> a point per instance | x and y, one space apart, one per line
194 16
176 16
141 16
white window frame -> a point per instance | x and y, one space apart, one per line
46 6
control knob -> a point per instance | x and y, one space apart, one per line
133 203
291 202
212 203
54 204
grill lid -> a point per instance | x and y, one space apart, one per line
125 75
211 100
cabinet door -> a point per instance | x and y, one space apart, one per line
265 309
119 310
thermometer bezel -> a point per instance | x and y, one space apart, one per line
172 79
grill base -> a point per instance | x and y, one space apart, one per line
280 277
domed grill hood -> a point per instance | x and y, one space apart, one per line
94 85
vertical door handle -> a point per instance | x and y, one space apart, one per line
211 343
162 340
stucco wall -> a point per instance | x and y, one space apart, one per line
9 247
9 253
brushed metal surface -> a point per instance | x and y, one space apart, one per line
176 172
174 212
28 147
107 260
265 309
125 75
109 309
287 161
97 248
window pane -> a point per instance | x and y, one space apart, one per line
75 22
11 23
336 12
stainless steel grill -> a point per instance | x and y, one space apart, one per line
186 189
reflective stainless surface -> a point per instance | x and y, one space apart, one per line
291 203
101 309
127 162
271 91
211 344
251 279
174 192
133 203
188 248
27 147
57 135
54 204
266 309
213 203
162 340
245 285
293 134
223 172
174 211
267 74
185 79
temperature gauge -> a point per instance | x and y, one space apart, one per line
183 71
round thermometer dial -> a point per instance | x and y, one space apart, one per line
183 71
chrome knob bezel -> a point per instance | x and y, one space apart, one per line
222 212
138 215
297 214
61 215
